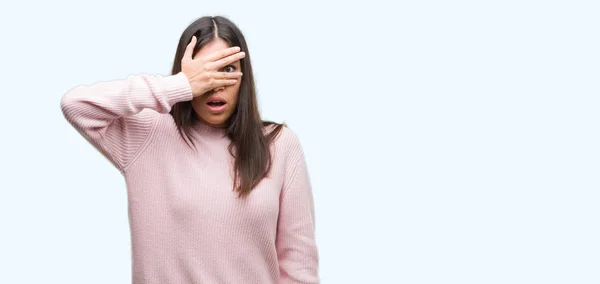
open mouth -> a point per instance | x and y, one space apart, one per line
216 105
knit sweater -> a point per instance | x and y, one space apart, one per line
187 225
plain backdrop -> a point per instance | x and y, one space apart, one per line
447 141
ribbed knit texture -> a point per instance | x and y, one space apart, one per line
187 224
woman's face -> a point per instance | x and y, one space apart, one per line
217 115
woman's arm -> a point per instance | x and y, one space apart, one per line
296 246
110 114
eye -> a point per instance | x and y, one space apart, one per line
229 68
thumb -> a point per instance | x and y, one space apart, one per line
190 48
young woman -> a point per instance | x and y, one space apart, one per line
215 194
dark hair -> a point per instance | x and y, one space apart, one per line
249 144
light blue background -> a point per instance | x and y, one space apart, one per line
447 141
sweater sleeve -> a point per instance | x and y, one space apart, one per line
296 247
110 114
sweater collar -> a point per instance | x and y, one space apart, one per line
206 130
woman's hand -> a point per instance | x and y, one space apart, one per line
202 72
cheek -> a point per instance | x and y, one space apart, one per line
233 98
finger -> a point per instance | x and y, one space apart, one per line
222 53
189 49
228 60
227 75
224 83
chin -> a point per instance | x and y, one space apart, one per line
219 124
216 122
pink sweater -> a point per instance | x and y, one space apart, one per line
186 223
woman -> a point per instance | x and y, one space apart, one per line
215 195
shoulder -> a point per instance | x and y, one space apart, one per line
290 138
163 128
283 136
286 143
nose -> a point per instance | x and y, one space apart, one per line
219 89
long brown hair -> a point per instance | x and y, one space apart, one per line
249 144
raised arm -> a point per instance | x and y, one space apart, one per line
110 114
